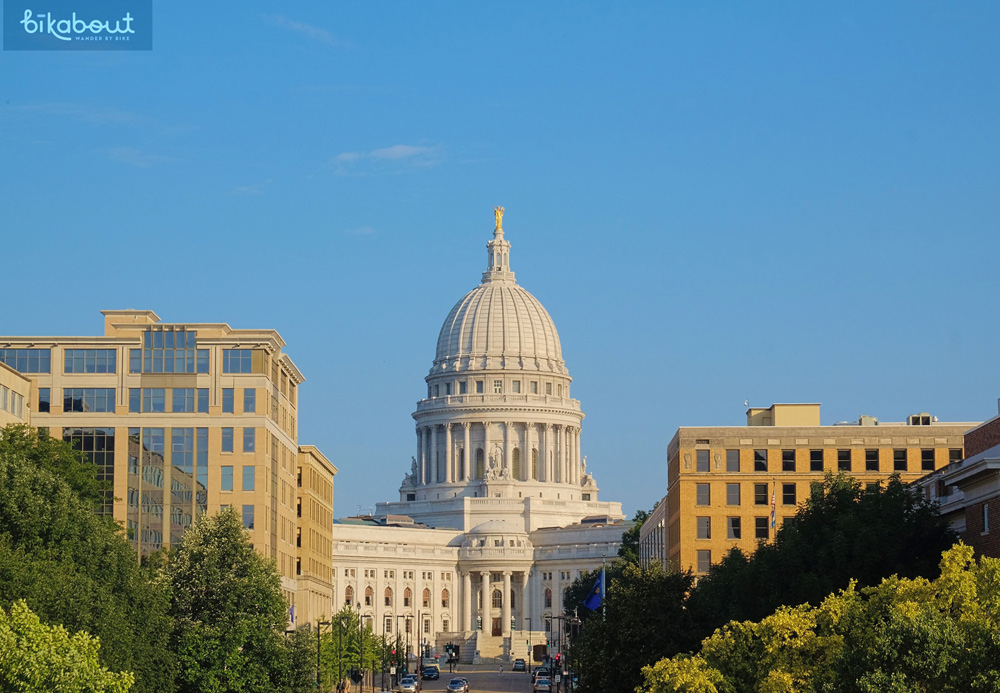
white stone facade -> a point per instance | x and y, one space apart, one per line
506 514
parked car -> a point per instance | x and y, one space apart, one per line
458 686
543 685
519 665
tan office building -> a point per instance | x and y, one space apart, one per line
184 419
724 480
15 397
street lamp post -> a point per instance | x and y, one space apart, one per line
361 652
529 657
319 627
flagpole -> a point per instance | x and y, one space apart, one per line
604 588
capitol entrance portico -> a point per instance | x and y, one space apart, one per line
495 563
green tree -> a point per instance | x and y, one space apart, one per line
629 549
37 657
902 635
73 567
230 616
644 621
844 531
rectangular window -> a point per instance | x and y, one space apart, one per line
135 360
732 494
44 403
548 388
927 460
249 400
463 387
154 399
899 460
248 477
871 460
227 477
227 440
134 400
703 494
732 460
788 460
788 494
249 439
761 528
954 455
534 387
227 400
815 460
733 528
760 494
844 460
760 460
480 385
171 351
248 516
704 560
986 518
88 399
497 387
90 360
237 360
28 360
183 400
515 386
202 400
701 460
704 527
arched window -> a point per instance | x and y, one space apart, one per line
461 463
534 464
407 595
349 595
517 463
444 600
427 598
388 596
497 599
548 598
480 464
369 596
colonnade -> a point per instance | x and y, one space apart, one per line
483 588
553 450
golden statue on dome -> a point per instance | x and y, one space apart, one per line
498 213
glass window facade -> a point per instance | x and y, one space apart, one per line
98 444
154 399
249 439
183 400
90 361
248 516
250 400
227 400
227 440
227 477
28 360
88 399
249 478
237 360
202 400
44 399
169 352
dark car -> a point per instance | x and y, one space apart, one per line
431 673
519 665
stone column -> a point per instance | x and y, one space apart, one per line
433 471
468 450
449 471
557 454
525 606
507 461
467 600
505 613
487 604
422 454
543 458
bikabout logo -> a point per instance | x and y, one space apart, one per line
54 25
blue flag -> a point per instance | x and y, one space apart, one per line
596 596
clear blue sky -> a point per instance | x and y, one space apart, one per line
715 202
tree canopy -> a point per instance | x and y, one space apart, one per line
37 657
899 636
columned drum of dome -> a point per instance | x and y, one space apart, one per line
498 420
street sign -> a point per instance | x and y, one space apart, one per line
392 670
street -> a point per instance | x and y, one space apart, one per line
482 679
